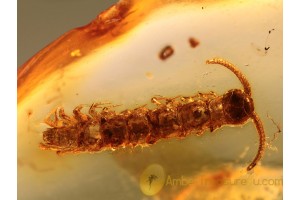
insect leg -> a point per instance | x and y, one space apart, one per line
53 123
205 96
156 101
160 100
79 115
112 106
59 150
92 110
67 120
231 67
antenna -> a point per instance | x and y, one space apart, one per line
254 116
231 67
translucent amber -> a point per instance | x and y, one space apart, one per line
118 58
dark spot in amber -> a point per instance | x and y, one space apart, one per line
166 52
193 42
29 113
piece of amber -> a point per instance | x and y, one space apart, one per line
116 58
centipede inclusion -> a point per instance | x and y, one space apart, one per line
172 117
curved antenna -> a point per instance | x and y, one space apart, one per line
262 141
254 116
231 67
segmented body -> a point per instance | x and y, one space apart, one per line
173 117
109 129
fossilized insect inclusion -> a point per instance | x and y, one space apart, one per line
116 58
175 117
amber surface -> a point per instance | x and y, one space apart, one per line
115 59
78 42
108 26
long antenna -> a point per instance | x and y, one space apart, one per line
262 141
254 116
231 67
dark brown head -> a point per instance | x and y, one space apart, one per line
237 106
